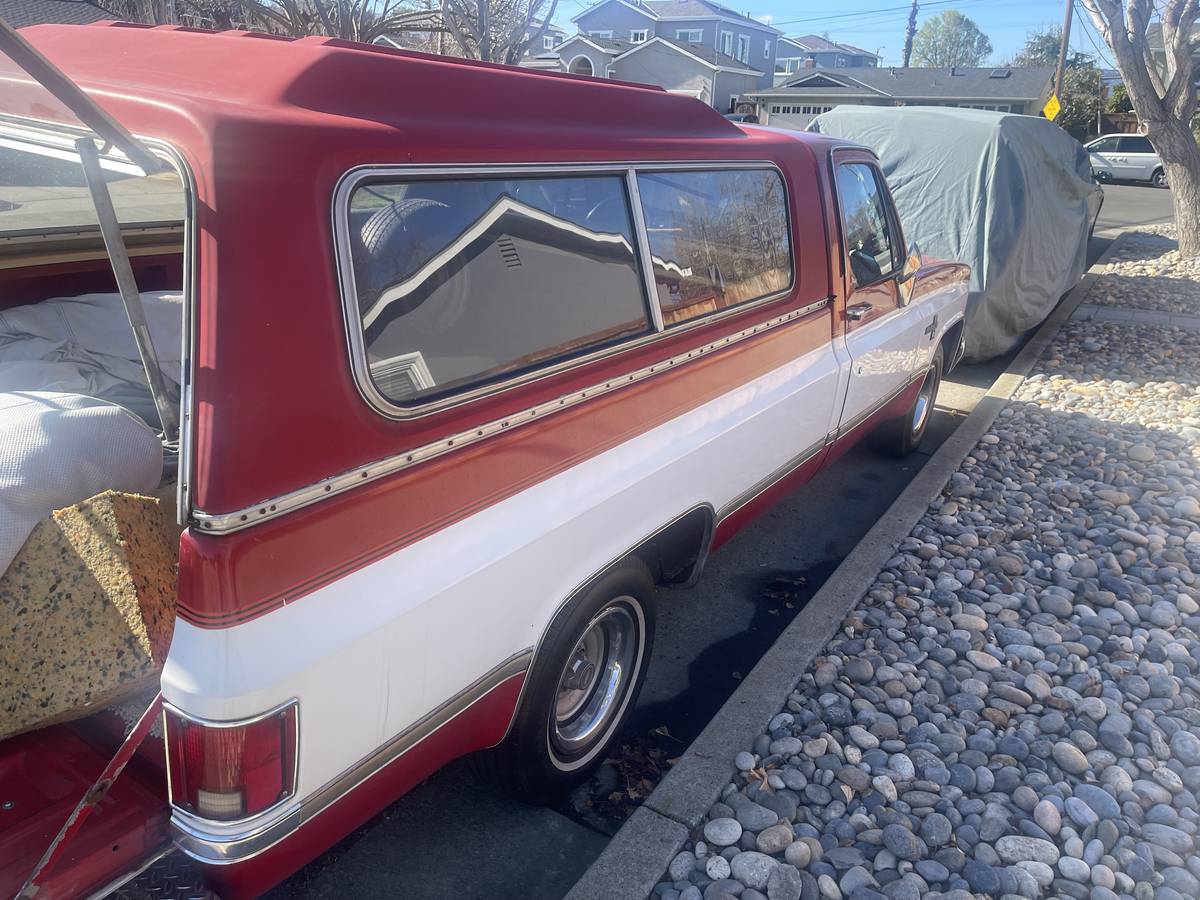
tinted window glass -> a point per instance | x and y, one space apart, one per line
1136 144
1108 145
717 239
865 222
463 282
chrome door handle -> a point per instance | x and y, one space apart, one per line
858 311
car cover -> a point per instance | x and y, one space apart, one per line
1012 196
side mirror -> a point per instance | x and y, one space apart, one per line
907 279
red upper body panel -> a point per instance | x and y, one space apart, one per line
268 126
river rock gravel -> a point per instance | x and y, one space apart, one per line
1147 272
1011 710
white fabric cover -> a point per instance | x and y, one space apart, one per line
57 449
84 345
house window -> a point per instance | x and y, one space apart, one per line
727 43
690 35
607 35
462 283
766 49
637 36
547 42
839 62
743 48
717 239
581 65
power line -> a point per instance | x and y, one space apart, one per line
1091 40
872 12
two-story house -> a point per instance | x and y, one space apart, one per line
812 51
695 47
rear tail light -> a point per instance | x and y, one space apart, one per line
230 770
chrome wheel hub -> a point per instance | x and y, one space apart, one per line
924 402
596 679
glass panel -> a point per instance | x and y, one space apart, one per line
717 239
865 221
1108 145
464 282
1136 144
43 191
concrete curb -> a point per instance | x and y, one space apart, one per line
639 854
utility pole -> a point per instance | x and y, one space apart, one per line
1062 50
910 33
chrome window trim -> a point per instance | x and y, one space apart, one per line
225 523
645 260
214 848
344 190
51 134
182 811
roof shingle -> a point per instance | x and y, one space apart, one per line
19 13
922 84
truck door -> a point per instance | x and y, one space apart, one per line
882 336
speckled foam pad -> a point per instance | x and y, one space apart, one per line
86 610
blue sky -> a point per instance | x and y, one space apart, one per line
878 25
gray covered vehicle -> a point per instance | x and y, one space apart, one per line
1012 196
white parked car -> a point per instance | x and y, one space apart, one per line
1126 157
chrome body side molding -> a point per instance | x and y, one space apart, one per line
226 523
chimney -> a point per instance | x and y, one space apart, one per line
892 71
952 72
810 63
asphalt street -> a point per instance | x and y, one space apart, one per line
1130 205
457 837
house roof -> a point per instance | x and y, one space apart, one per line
19 13
617 49
682 9
604 45
920 83
814 43
709 55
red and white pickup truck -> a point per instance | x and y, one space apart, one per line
473 357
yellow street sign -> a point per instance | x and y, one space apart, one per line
1052 108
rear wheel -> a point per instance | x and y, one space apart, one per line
901 436
1159 178
583 684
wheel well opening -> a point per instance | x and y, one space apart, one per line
950 346
675 554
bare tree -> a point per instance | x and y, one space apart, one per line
353 20
497 30
1164 100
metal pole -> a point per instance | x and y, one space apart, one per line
1062 50
110 230
909 34
1099 102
